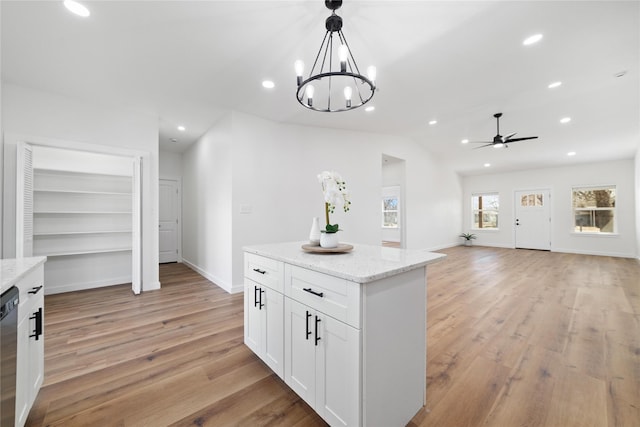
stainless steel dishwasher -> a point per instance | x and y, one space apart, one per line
9 346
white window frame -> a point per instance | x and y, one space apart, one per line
389 193
593 209
474 211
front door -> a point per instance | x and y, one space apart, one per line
533 219
169 205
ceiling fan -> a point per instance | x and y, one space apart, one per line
500 141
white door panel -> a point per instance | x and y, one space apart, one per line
168 211
533 219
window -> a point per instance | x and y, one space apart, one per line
390 211
594 209
484 211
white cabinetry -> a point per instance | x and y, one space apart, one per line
263 310
30 352
355 344
83 223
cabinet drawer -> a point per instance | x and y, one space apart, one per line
32 282
265 271
330 295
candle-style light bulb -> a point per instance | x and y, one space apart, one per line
347 95
343 54
371 73
299 66
310 89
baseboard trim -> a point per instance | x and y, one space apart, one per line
212 278
596 253
53 289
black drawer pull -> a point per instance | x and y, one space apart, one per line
311 291
257 270
308 331
35 290
37 316
317 337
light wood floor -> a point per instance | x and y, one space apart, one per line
515 338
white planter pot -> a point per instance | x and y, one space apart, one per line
329 240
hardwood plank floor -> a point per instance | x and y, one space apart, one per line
515 337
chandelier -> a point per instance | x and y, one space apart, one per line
331 90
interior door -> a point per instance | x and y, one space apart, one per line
533 219
169 204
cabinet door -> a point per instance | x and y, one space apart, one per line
337 372
22 371
252 318
300 350
273 320
36 347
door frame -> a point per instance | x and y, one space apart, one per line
515 207
178 182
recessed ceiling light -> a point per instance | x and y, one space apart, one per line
370 108
77 8
182 128
173 140
433 122
571 153
565 120
465 141
486 165
620 73
268 84
554 85
532 39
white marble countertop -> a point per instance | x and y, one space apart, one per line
16 268
365 263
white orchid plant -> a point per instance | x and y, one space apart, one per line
335 194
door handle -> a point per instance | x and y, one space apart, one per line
307 330
37 316
317 337
255 296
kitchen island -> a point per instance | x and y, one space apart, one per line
346 331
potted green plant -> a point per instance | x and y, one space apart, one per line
468 237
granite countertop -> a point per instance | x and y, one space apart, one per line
16 268
365 263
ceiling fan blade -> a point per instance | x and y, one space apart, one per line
520 139
480 142
504 138
486 145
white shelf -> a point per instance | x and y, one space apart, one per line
106 193
88 252
43 171
79 213
71 233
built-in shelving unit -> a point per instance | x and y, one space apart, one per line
83 223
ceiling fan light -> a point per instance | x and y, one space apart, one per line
498 145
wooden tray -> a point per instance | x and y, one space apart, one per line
342 248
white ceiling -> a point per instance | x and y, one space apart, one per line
453 61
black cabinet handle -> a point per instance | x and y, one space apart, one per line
35 290
257 270
261 304
255 296
308 331
317 337
311 291
37 316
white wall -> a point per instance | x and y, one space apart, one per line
206 205
560 181
250 181
46 116
637 184
170 165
